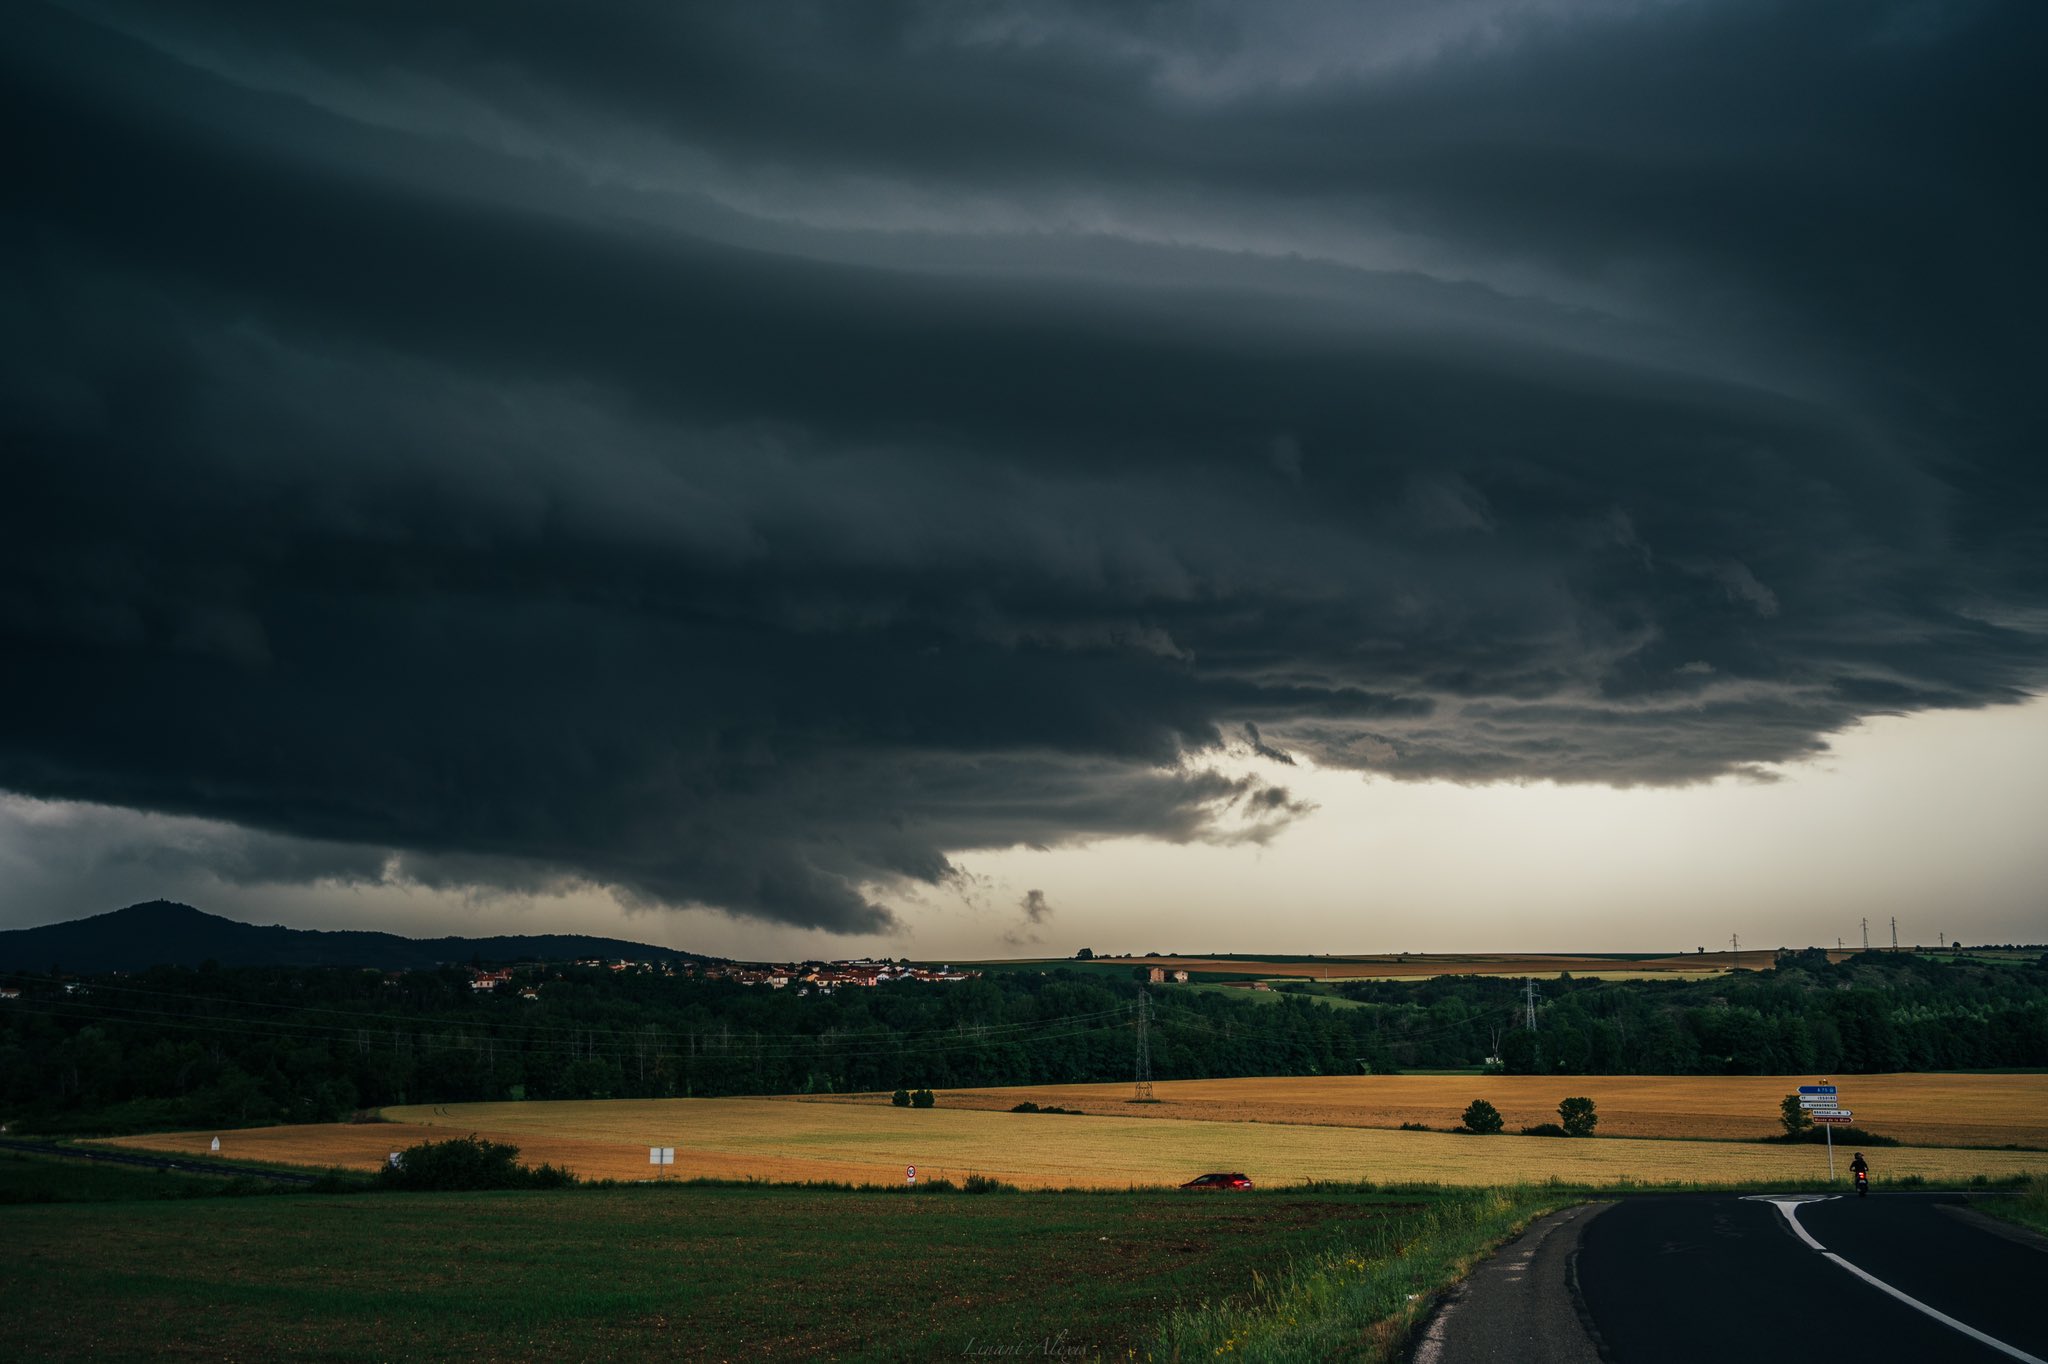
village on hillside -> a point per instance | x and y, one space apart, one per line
822 977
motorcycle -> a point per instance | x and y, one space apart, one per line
1862 1184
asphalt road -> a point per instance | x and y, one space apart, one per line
1715 1278
225 1169
1518 1307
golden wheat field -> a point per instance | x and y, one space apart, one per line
789 1139
1921 1110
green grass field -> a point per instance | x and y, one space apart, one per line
676 1273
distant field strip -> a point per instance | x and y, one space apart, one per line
1412 966
1921 1110
783 1139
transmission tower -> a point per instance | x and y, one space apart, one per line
1895 932
1529 1008
1866 935
1142 1080
1734 942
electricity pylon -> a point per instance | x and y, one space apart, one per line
1142 1079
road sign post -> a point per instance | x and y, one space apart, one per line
910 1176
661 1157
1823 1104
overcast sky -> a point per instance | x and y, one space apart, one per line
988 478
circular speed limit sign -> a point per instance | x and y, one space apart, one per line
910 1173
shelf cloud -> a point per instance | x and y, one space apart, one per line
746 455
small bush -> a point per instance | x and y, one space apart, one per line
984 1184
1545 1129
1482 1118
1415 1127
1578 1117
1026 1107
463 1163
901 1098
922 1099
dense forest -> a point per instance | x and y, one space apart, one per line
218 1046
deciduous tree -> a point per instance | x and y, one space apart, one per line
1482 1117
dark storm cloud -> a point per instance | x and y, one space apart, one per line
743 455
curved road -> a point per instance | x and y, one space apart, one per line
211 1166
1722 1278
1706 1278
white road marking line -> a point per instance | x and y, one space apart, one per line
1790 1207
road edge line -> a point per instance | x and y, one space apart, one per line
1791 1210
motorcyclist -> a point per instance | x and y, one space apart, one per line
1859 1170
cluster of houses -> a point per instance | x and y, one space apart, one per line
826 976
821 976
495 980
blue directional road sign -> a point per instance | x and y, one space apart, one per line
1817 1089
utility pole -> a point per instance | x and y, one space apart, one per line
1895 932
1734 942
1838 943
1142 1081
1866 935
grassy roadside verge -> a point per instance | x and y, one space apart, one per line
1360 1302
331 1178
32 1178
2030 1209
1363 1302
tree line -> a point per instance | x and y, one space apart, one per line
176 1047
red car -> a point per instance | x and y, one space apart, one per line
1218 1182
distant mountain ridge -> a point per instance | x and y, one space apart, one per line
161 933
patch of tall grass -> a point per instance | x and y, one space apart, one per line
2030 1209
1360 1301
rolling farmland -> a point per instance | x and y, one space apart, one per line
1918 1109
1282 1131
1424 965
